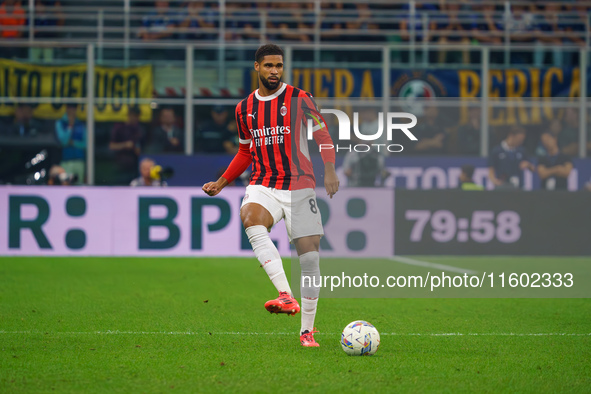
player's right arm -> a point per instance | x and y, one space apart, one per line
239 163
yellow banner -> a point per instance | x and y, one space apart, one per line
32 81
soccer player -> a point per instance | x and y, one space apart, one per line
272 134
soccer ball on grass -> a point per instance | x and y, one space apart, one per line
360 338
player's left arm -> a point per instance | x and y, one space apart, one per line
324 142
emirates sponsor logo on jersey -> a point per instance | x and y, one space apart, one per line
270 131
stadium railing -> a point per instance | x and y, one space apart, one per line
416 22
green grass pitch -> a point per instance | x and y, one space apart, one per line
154 325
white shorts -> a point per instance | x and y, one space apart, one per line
299 209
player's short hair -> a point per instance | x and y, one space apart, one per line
267 50
468 170
548 133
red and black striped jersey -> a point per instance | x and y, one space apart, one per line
275 127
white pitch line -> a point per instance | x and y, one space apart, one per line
441 267
444 334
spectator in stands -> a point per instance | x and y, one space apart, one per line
333 23
12 18
549 31
218 134
58 176
507 161
146 178
291 19
451 30
305 18
12 26
406 24
553 167
363 168
466 178
159 24
521 26
197 17
126 140
166 137
48 15
71 134
411 25
469 134
25 125
575 28
430 133
568 138
489 29
244 19
362 21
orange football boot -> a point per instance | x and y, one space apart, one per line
285 303
307 339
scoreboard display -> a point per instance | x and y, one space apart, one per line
457 222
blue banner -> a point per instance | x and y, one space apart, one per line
405 83
513 83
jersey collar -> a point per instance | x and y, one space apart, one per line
271 97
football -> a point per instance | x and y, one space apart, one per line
360 338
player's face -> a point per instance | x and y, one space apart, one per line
270 71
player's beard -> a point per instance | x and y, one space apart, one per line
269 85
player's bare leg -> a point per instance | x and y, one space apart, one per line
307 249
257 220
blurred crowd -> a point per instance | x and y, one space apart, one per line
438 22
448 21
119 146
542 24
512 148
